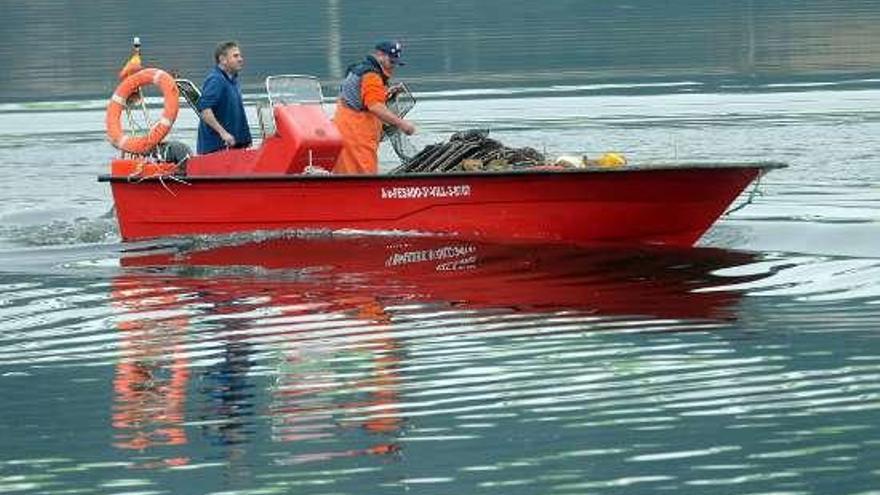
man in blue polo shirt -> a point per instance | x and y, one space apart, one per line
224 123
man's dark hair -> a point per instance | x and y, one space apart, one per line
222 48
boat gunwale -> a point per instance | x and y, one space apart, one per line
658 167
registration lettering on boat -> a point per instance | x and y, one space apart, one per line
421 192
468 263
425 255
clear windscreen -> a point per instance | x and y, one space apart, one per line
293 89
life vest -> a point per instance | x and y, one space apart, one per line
350 89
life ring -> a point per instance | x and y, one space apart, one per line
141 145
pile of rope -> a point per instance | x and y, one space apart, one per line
470 151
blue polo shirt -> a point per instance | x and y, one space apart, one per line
222 94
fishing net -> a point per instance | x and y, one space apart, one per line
402 145
473 151
400 103
401 100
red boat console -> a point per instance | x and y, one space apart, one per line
304 137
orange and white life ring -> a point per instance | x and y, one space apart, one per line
142 144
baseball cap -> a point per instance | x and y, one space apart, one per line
393 49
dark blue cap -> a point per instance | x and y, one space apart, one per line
393 49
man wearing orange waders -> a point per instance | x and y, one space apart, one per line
361 110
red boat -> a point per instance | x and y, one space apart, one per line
269 188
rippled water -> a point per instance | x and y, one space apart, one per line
353 362
440 366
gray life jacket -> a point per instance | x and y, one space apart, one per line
350 88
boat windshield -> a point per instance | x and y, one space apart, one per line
289 89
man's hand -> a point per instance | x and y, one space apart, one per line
389 117
213 123
407 127
227 138
394 89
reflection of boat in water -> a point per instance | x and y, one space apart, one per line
327 319
650 281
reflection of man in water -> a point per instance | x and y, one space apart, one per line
322 390
149 405
229 397
151 376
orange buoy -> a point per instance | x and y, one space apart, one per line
142 144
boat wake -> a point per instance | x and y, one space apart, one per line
100 230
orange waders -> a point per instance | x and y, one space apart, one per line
361 132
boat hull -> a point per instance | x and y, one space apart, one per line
665 205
